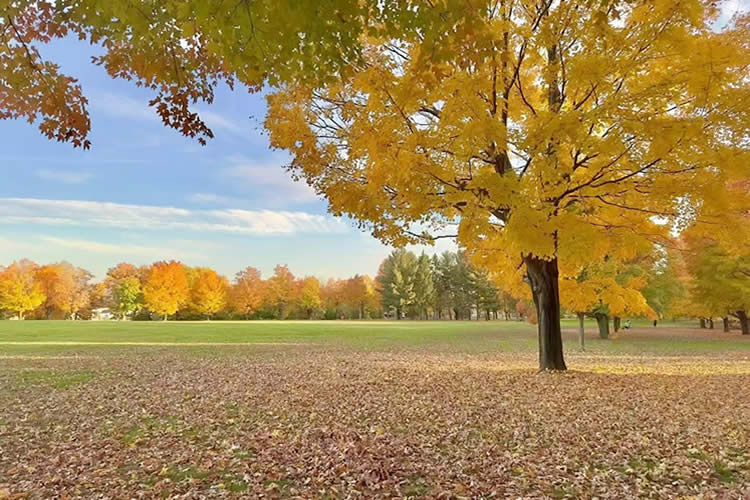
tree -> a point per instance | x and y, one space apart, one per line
539 131
247 291
664 289
208 294
124 289
396 281
603 290
719 279
309 296
66 288
127 296
487 296
539 128
424 286
166 289
281 291
357 293
334 295
19 292
52 287
80 291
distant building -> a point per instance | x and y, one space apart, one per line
102 314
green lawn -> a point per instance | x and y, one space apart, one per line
452 336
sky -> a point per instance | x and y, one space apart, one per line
144 193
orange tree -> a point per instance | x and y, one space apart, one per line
536 127
208 293
166 289
19 291
247 291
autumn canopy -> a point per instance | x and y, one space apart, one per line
554 139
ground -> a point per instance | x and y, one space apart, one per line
369 410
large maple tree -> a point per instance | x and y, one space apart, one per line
541 130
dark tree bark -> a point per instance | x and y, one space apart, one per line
711 323
725 320
616 323
543 278
581 336
744 323
703 322
603 321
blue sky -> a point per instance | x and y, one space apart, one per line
144 193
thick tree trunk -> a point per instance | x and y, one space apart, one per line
725 320
581 336
398 313
703 322
711 323
616 323
603 321
744 323
543 277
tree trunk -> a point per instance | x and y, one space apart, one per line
711 323
581 336
616 323
703 322
398 313
725 320
165 318
603 321
744 323
543 277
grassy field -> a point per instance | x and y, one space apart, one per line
369 410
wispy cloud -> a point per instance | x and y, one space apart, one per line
216 121
124 216
123 106
118 249
269 176
213 198
134 109
63 176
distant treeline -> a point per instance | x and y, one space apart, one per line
407 285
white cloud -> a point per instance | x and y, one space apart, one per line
271 177
118 249
123 106
16 245
214 198
124 216
215 121
63 176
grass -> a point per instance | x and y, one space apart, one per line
378 409
55 379
46 338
